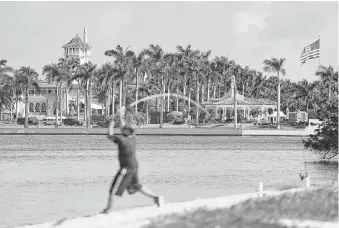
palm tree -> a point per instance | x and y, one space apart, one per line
6 86
55 75
148 89
156 57
170 70
5 94
26 78
69 66
305 91
121 60
85 72
224 67
246 76
184 55
199 71
109 74
276 65
136 65
104 83
259 85
328 77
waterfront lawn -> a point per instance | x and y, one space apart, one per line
318 204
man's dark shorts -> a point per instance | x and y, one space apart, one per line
126 179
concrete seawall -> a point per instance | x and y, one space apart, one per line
156 131
141 216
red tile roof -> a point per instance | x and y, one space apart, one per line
76 42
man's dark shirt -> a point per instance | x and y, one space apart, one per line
127 149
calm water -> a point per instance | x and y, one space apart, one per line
44 178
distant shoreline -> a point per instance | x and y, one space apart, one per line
157 131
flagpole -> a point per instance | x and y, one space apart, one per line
319 47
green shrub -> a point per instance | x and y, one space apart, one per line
174 115
130 117
138 118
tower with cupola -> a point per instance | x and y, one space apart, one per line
78 48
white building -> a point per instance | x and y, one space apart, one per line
42 103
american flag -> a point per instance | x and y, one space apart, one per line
311 51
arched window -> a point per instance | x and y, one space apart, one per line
31 107
43 107
43 92
37 107
49 91
37 93
31 93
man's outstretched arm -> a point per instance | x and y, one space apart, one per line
122 114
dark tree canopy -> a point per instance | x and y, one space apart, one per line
325 140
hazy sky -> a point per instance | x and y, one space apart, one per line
32 33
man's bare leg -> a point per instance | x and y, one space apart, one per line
109 204
148 192
110 200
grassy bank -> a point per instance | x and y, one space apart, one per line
318 204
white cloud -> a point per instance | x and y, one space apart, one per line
244 20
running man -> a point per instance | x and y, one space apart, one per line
127 176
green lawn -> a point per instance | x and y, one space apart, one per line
320 204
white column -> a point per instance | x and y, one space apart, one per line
244 112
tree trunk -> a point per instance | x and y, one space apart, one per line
120 94
214 92
208 88
61 103
177 98
56 106
235 106
113 99
67 108
184 91
146 111
278 109
225 85
78 108
329 93
307 106
243 89
16 109
136 92
0 112
11 111
161 102
197 99
219 93
107 100
156 104
202 93
168 97
124 93
89 114
189 101
86 104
